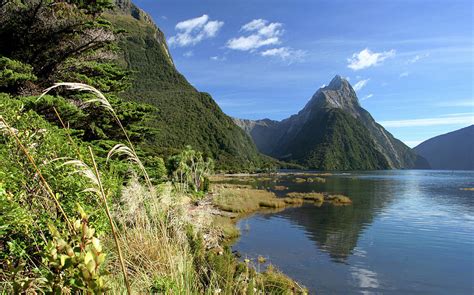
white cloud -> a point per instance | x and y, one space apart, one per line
448 120
457 103
285 53
417 58
367 58
188 53
193 31
367 96
361 84
262 33
404 74
218 58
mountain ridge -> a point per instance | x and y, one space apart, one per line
292 136
450 151
184 116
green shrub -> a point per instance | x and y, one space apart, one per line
13 73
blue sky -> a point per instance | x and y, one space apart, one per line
410 61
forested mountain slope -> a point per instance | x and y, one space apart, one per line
332 132
184 115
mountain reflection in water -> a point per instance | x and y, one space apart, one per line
403 233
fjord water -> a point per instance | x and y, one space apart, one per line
407 232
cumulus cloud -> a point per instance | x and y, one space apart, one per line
366 58
260 33
286 54
193 31
361 84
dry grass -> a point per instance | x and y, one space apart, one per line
160 258
293 201
316 179
154 240
338 200
226 226
280 187
319 198
468 189
246 200
299 180
312 196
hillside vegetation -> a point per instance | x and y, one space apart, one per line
87 204
332 132
183 115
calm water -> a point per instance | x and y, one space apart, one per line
407 232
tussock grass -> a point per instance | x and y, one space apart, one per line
319 198
227 227
280 187
246 200
338 199
316 179
154 241
299 180
312 196
161 245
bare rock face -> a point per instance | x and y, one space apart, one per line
294 138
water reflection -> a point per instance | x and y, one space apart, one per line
406 230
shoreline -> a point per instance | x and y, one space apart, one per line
228 203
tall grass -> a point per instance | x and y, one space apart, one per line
161 246
120 149
94 176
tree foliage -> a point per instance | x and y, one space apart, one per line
191 171
55 37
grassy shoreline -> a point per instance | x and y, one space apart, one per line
228 202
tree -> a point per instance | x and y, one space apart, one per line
191 170
53 36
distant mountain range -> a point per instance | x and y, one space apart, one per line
332 132
450 151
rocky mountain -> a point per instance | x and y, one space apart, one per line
332 132
184 115
450 151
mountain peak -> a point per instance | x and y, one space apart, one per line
338 83
338 94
